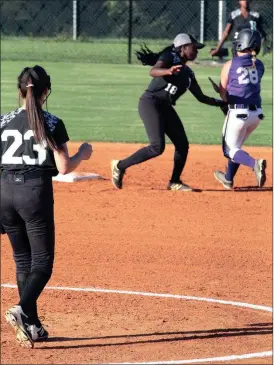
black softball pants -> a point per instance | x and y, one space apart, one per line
160 119
28 218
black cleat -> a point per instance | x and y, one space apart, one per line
178 186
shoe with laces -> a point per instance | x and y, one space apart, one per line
220 176
259 170
116 175
178 186
37 332
18 320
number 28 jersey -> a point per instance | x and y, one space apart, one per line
244 81
19 151
169 88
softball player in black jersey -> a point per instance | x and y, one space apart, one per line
33 149
171 79
239 19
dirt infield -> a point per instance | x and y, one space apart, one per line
211 243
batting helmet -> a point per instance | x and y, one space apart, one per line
248 39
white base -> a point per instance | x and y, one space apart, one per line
77 176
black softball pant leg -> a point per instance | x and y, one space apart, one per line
152 117
27 216
174 129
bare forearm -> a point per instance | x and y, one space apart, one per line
73 162
222 40
158 72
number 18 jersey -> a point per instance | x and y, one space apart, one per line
244 81
20 152
169 88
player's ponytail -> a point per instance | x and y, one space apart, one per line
32 83
254 58
148 57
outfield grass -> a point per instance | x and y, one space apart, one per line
88 50
98 102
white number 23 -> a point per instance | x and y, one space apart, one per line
247 75
9 158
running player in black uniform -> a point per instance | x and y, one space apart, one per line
33 149
171 79
239 19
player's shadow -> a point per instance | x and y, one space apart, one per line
252 188
242 189
161 337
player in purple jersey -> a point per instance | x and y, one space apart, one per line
240 86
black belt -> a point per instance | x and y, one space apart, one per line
20 177
243 106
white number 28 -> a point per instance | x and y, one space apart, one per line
8 157
247 75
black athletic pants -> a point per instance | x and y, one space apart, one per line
28 219
160 119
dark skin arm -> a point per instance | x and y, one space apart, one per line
225 35
159 69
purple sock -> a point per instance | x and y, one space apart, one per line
231 171
243 158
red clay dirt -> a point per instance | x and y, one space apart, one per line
211 243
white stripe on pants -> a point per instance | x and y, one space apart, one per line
236 130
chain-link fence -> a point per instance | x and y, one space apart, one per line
122 23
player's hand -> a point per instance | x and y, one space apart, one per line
224 108
213 52
214 85
85 150
173 69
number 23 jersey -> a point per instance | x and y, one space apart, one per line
20 152
169 88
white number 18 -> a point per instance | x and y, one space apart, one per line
172 89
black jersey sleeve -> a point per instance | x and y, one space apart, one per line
60 134
201 97
166 57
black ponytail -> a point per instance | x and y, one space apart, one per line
32 83
148 57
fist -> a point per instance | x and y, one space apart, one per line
174 69
85 150
213 52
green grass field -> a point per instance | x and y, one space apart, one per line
98 102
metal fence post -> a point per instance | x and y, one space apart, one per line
202 20
74 19
129 30
222 16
